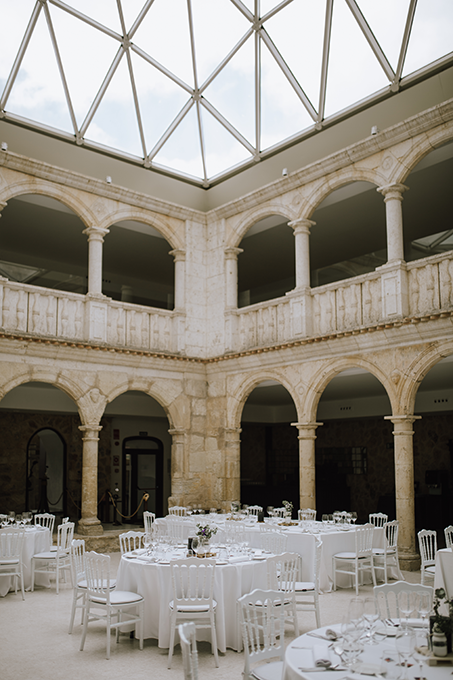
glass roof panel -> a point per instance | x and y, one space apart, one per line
38 92
389 34
223 150
432 33
16 18
353 72
285 28
182 151
159 97
217 28
120 130
164 35
84 74
103 11
232 92
283 113
131 10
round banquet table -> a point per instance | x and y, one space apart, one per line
443 577
37 539
153 581
300 654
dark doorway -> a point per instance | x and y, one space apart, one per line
46 472
142 473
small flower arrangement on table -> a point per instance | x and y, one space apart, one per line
206 531
444 623
289 508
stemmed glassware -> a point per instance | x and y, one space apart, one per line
353 516
405 645
148 542
407 603
370 615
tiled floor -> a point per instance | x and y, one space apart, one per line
35 645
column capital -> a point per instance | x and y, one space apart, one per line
231 253
402 421
307 430
2 205
90 432
392 191
95 233
301 225
177 432
179 254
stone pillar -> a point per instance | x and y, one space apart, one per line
393 198
232 489
178 467
180 276
95 241
404 490
307 478
301 229
231 277
89 524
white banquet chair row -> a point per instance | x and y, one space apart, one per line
378 519
306 514
54 561
11 547
448 533
148 520
354 563
389 602
427 543
131 540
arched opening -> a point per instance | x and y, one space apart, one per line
433 449
137 266
46 472
41 243
428 206
139 457
354 447
266 268
349 237
269 447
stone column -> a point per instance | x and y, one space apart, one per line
2 205
232 489
95 241
393 198
307 478
178 467
301 229
231 276
89 524
404 490
180 276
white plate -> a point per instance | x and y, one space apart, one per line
367 669
259 557
389 631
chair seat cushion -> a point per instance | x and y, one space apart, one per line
46 555
348 556
83 584
381 551
268 671
193 607
431 570
304 586
9 561
120 597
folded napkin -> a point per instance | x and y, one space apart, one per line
321 656
241 558
314 658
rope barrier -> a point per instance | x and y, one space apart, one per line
145 497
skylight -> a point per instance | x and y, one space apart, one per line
196 88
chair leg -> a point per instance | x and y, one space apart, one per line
108 621
317 614
172 640
85 625
22 580
214 640
141 613
334 574
73 610
32 574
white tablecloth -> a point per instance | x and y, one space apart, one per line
153 582
444 572
297 655
37 539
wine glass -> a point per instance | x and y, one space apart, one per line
421 643
356 610
405 645
407 603
370 615
353 516
148 542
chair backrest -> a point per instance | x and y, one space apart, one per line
273 541
427 541
378 519
263 626
391 534
192 582
279 512
45 519
283 572
131 540
11 543
64 520
177 528
148 520
364 540
65 534
97 571
77 555
306 513
255 509
386 597
188 640
177 510
448 532
317 563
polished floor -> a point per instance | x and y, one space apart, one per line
34 641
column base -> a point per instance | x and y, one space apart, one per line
90 526
409 561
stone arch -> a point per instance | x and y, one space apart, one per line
325 374
174 236
325 186
236 399
424 145
251 217
72 389
43 188
150 388
418 369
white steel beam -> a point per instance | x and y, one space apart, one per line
227 125
405 40
141 53
169 131
325 60
86 19
94 106
371 39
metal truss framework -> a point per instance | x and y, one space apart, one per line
197 99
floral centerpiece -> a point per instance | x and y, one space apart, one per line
438 622
206 531
289 508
